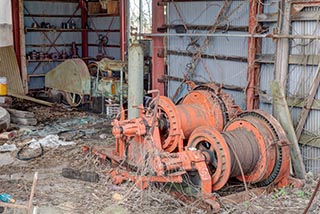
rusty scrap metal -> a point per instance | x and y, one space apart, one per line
205 139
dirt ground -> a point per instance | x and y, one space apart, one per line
57 194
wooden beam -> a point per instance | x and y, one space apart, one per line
293 59
283 115
42 102
309 101
207 56
309 139
292 101
282 44
301 16
166 78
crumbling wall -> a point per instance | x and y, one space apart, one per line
6 37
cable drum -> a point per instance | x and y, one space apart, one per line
243 145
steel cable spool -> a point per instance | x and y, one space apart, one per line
249 142
200 107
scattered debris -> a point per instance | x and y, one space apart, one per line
8 147
6 198
5 101
4 119
6 159
8 135
49 141
76 174
22 117
117 197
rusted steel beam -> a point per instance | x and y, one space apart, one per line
158 65
166 78
207 56
16 29
207 27
254 47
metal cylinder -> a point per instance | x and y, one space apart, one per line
135 80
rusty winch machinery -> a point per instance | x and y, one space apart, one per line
205 138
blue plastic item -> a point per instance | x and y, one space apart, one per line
4 197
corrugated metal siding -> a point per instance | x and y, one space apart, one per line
204 13
311 158
300 76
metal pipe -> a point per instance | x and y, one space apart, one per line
135 80
272 36
140 17
121 87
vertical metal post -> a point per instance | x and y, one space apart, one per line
121 87
135 79
158 66
252 95
140 17
16 29
123 28
84 32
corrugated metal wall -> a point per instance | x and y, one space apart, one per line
300 75
221 71
38 38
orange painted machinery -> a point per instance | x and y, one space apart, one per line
205 139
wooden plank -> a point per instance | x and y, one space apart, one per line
30 99
282 44
310 139
283 115
301 16
207 56
293 59
292 101
23 68
309 101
